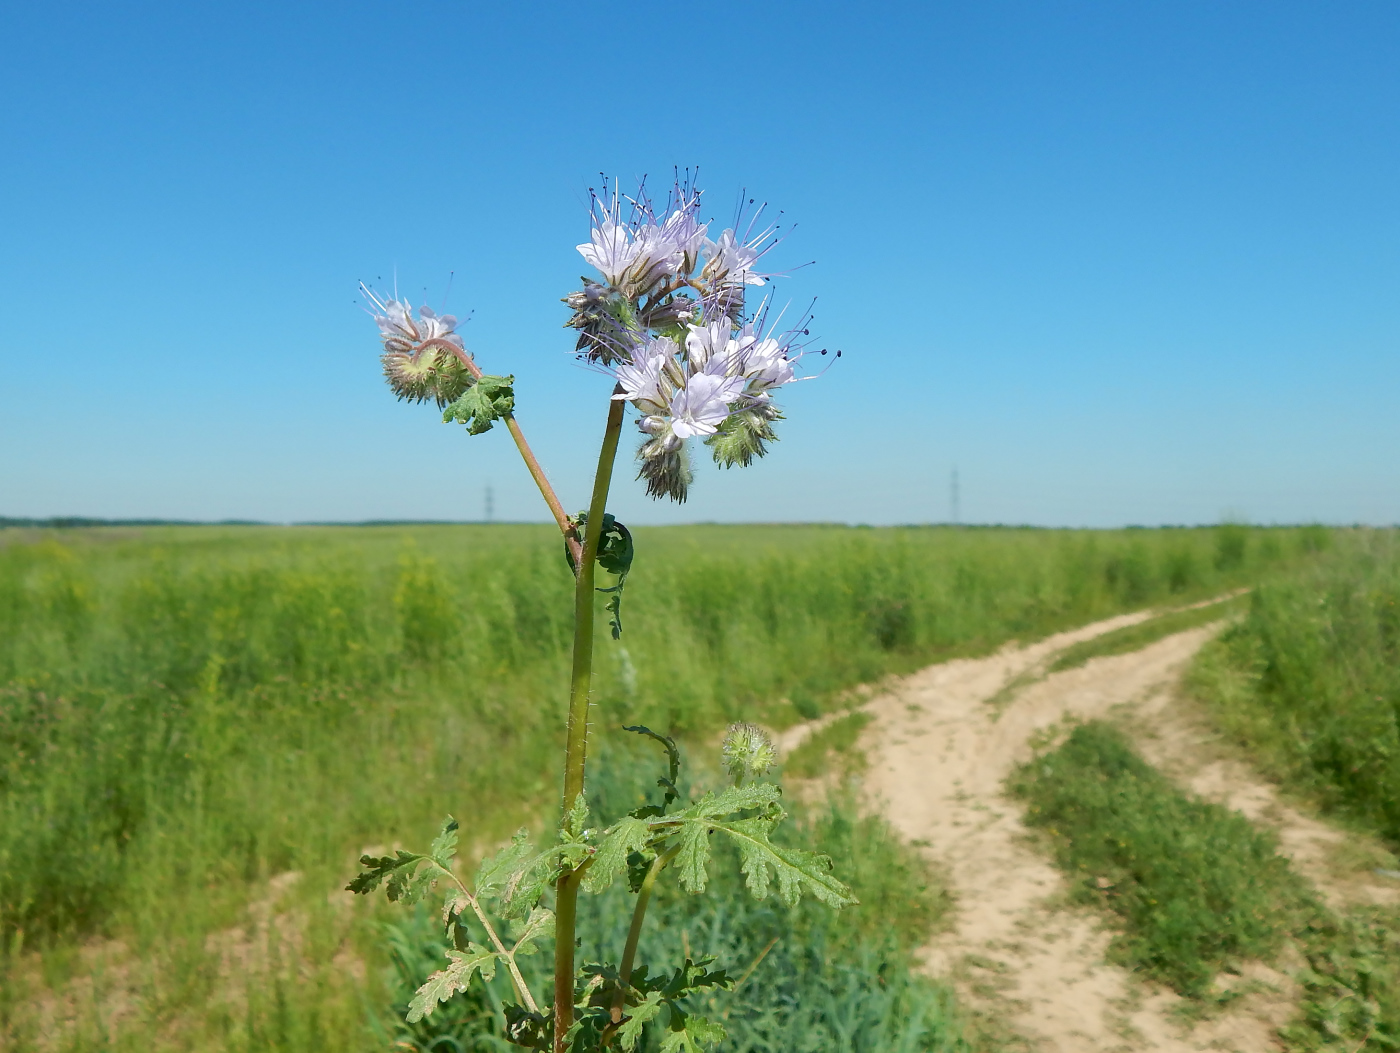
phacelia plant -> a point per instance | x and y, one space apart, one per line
667 316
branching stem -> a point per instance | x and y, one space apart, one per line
556 507
521 987
576 747
629 952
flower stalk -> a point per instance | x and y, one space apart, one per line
576 742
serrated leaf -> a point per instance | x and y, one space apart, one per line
695 823
444 984
398 873
615 553
515 876
695 976
694 1036
494 871
576 821
444 846
673 766
378 869
481 405
733 799
637 1017
797 871
539 925
628 835
524 1028
454 903
693 856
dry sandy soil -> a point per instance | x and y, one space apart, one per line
940 746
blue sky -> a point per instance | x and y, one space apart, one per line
1116 262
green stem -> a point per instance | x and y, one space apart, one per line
556 507
629 953
576 747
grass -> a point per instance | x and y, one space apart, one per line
1196 889
837 740
187 712
1309 682
1136 637
1196 886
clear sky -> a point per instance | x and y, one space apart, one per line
1118 262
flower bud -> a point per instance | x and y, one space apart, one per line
747 752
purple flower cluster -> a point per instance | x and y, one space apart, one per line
667 317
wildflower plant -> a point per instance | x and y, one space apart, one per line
668 317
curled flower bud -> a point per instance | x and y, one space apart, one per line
422 354
747 752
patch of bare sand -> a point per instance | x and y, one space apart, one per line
939 754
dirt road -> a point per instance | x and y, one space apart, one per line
940 746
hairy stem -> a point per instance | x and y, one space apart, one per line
629 952
556 507
576 748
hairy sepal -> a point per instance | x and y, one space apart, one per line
432 374
743 436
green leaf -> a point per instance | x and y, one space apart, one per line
637 1017
628 835
539 925
797 871
673 763
576 821
444 847
396 870
531 1030
401 875
481 405
694 1035
443 985
615 551
515 877
695 823
761 860
693 856
691 977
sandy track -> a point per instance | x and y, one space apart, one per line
1018 952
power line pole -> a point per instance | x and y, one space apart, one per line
490 504
953 498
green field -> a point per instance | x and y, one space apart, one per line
188 713
1309 682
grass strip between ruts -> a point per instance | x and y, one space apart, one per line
1135 637
1198 888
